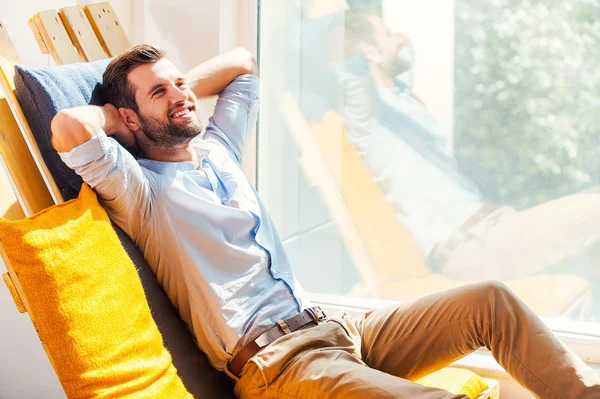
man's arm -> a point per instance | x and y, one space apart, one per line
80 137
211 77
74 126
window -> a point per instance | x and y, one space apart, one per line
409 148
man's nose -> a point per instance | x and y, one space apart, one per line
176 94
401 39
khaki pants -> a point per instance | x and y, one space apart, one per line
379 354
562 235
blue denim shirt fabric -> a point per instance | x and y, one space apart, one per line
205 232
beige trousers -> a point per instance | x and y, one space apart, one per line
378 355
557 236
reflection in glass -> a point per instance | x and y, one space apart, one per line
487 194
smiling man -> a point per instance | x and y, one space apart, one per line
214 249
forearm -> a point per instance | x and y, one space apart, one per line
211 77
74 126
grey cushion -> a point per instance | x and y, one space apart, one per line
43 92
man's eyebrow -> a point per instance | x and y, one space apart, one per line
156 86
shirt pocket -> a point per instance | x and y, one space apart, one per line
239 188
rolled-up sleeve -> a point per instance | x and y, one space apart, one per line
234 118
115 175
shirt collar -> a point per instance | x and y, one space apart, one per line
160 166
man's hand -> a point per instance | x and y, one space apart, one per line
114 125
211 77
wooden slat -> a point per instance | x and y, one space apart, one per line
107 27
15 280
17 144
47 26
389 244
318 174
8 59
81 33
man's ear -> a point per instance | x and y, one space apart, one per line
130 118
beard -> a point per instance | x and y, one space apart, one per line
166 134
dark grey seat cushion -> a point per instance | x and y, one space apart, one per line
43 92
199 377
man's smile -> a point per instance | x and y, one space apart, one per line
181 113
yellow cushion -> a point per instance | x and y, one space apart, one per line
456 381
88 305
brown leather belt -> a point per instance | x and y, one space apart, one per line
311 315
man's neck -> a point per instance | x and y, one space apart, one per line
381 79
182 153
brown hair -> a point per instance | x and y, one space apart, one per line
116 87
357 26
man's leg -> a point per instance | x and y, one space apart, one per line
508 244
323 362
419 337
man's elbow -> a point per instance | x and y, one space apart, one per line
246 61
64 127
253 69
59 127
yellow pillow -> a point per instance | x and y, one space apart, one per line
88 305
456 381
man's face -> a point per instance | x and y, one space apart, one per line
387 47
167 106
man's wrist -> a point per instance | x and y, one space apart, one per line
111 119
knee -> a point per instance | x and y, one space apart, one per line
495 289
495 286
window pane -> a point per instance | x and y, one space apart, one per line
407 148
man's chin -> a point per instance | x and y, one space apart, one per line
188 123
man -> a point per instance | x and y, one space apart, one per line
214 249
462 235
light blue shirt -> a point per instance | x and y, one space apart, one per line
434 198
401 145
205 233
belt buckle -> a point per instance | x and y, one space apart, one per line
318 316
323 316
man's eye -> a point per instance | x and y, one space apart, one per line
180 84
159 91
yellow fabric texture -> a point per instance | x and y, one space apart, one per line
88 305
456 381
